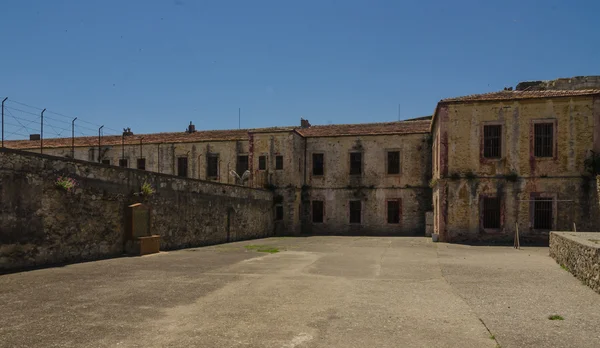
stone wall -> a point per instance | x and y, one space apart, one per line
42 224
569 83
579 253
462 177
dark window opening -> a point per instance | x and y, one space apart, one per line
106 161
242 164
492 141
317 211
491 212
542 213
123 162
212 166
279 212
393 161
182 166
278 162
355 163
141 163
262 162
393 212
317 162
355 212
544 140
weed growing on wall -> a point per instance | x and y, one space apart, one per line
66 183
147 190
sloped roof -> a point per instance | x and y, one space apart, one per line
518 95
401 127
398 127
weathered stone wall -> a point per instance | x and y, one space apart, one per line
574 202
462 176
42 224
569 83
374 187
579 253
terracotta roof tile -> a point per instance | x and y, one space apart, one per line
517 95
402 127
398 127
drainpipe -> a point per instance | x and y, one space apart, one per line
158 158
42 132
99 143
3 120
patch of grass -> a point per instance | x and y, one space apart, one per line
555 317
492 337
564 267
262 248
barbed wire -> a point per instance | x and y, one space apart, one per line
19 121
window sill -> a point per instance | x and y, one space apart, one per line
544 158
393 175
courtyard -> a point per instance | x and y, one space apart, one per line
305 292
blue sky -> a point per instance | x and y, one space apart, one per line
156 65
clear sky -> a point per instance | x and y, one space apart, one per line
155 65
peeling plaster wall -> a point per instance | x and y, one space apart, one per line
457 216
41 224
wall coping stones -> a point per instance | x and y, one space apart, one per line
579 253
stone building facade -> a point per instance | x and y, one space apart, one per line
515 159
484 166
334 179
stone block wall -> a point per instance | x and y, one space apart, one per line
579 253
42 224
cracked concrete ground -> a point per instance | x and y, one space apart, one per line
316 292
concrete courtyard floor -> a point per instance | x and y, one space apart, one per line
316 292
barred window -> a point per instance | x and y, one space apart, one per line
317 162
393 162
393 211
491 212
317 211
262 162
355 212
492 141
544 139
278 162
141 163
355 163
543 213
212 166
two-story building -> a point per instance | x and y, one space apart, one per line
514 159
333 179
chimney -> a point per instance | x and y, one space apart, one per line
127 132
304 123
191 128
34 137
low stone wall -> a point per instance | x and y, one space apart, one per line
579 252
42 224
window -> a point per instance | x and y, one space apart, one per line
123 162
242 164
212 166
355 212
393 162
106 161
317 211
491 212
317 163
141 163
544 139
278 162
492 141
393 211
262 162
182 166
542 213
279 212
355 163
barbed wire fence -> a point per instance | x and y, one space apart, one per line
22 121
